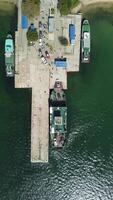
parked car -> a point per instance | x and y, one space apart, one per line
40 52
44 25
40 42
40 23
47 54
32 27
44 60
42 46
40 34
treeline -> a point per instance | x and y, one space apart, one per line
66 5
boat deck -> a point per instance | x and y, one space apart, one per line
9 60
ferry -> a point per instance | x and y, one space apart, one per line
85 42
9 56
58 115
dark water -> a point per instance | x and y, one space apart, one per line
83 170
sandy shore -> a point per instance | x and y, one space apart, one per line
88 4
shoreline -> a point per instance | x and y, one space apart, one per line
7 6
8 1
86 5
89 2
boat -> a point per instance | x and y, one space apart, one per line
85 42
9 56
58 115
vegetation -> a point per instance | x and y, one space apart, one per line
66 5
32 36
31 8
50 47
63 41
52 10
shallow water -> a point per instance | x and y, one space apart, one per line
83 170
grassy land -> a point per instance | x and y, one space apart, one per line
66 5
31 8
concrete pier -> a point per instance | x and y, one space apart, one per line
30 72
40 117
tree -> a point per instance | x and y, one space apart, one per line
63 7
31 8
66 5
32 36
63 40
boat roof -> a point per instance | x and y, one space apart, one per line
9 46
59 119
85 26
86 40
9 60
9 71
85 21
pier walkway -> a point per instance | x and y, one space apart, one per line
40 114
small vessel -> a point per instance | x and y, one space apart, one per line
85 42
58 115
9 56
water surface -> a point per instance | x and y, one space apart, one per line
83 170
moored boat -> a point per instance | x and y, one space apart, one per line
85 42
9 56
58 115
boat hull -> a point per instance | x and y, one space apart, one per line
9 56
58 117
83 60
85 42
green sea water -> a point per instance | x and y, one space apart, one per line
83 170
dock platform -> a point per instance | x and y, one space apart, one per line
30 72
